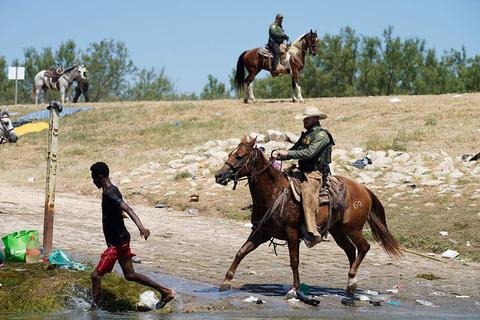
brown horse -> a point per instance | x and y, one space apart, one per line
254 62
275 214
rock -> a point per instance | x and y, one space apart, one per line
419 171
396 177
381 163
154 165
209 144
191 211
160 205
404 157
394 100
217 154
191 169
274 135
175 164
446 166
291 137
425 303
431 182
357 151
443 233
31 179
339 154
260 137
125 180
191 159
456 174
233 141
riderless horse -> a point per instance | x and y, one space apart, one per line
7 132
255 61
277 214
59 81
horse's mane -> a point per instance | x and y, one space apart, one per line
300 38
70 69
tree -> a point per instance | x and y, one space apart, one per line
150 85
214 90
108 66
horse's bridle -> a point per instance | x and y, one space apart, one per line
252 158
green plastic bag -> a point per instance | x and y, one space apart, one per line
16 244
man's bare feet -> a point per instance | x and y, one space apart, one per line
165 299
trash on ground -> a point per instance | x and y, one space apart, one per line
450 254
254 300
31 128
33 253
468 244
443 233
293 300
362 297
394 290
438 293
475 157
348 302
45 114
426 303
394 100
136 259
160 205
194 198
148 300
371 292
191 211
60 259
376 303
362 163
304 288
16 244
392 302
247 225
462 297
20 270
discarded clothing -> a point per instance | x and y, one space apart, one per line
362 163
45 114
31 127
60 258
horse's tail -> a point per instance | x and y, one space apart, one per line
240 72
378 224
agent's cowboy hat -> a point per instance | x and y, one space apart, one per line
309 112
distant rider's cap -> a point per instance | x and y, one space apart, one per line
309 112
279 16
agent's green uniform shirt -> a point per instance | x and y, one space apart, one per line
276 33
313 150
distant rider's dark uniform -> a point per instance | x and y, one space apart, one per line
82 87
276 36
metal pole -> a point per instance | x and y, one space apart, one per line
52 154
16 82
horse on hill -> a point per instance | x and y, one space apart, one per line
57 79
258 59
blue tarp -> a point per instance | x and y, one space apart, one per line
45 114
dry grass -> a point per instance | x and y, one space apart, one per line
127 135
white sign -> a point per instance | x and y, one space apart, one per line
16 73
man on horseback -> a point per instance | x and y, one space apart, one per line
276 35
313 151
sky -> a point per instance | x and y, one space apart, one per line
194 38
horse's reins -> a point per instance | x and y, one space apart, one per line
279 202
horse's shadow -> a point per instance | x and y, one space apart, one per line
275 289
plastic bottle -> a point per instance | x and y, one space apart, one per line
33 254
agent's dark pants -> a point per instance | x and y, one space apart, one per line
78 92
275 48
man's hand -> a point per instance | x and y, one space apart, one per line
144 232
280 154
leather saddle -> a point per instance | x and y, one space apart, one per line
265 51
54 73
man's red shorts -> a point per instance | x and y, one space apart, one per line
111 255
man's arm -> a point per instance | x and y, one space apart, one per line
144 232
313 149
277 31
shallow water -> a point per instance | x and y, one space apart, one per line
275 305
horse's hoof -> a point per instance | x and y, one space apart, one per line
292 294
225 287
349 302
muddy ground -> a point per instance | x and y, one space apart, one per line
199 248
